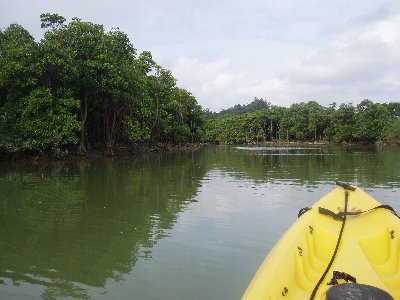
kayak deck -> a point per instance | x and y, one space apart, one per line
368 249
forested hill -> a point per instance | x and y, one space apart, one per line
85 86
238 109
309 122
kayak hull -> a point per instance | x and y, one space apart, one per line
367 248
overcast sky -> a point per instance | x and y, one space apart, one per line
227 52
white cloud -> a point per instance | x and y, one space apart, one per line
210 82
361 62
227 52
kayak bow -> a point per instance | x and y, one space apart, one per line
346 243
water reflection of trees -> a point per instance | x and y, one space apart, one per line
87 222
69 225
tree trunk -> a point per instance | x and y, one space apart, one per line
315 133
192 129
271 131
110 130
156 122
84 111
287 135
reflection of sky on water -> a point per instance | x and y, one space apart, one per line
294 154
222 237
282 151
276 148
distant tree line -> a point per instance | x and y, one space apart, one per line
86 86
256 104
309 121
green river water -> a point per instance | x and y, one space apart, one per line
182 225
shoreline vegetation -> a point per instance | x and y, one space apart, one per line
84 92
84 87
260 121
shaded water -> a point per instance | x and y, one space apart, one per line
166 226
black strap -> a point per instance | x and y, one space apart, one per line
302 211
346 200
343 276
340 215
345 185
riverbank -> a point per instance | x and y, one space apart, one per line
123 151
394 143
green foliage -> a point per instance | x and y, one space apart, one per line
46 121
342 124
391 132
135 131
368 122
40 122
51 20
113 98
18 56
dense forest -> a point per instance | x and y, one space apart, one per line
309 122
81 85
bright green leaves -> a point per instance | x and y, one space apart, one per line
136 132
186 116
371 120
18 56
342 124
46 121
391 132
40 121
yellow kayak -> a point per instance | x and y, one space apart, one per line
346 243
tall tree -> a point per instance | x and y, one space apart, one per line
371 119
18 78
83 40
117 88
342 124
161 85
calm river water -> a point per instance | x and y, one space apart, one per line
190 225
